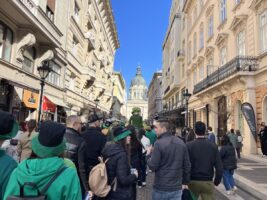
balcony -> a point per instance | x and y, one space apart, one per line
181 55
238 64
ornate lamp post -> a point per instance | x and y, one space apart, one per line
44 71
187 96
96 102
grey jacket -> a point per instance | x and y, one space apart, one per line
170 162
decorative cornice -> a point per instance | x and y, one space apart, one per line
238 19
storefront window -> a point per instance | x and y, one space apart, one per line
6 39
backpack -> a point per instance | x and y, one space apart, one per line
98 179
40 194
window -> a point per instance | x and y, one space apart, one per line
172 102
72 82
263 31
177 98
183 23
195 44
29 57
223 56
210 66
76 12
201 72
241 43
183 68
6 40
54 75
75 44
50 9
201 37
189 52
195 77
210 26
195 14
223 10
237 1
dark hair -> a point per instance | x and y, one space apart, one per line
232 130
225 140
191 136
164 122
200 128
210 129
238 133
31 125
141 133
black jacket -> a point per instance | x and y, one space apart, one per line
204 157
76 152
117 166
95 141
228 157
170 162
136 156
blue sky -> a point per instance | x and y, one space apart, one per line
141 26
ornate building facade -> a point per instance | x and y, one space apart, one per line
137 96
78 38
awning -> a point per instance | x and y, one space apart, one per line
48 105
30 99
199 108
57 101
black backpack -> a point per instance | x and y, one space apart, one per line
40 194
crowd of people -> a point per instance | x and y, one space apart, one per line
109 161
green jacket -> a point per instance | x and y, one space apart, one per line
40 171
7 166
233 139
151 135
136 121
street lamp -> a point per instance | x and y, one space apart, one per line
96 102
44 71
186 96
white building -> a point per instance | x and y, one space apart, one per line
138 95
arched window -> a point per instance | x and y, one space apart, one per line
263 31
195 44
241 43
223 11
29 57
223 56
201 37
6 40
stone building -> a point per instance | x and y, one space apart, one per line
138 95
79 40
155 95
92 41
119 96
225 45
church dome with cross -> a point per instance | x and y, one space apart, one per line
138 88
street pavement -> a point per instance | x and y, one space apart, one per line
251 179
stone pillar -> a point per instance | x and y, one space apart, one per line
249 143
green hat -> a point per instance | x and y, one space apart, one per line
120 133
50 141
8 126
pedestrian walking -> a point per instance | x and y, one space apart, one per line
76 150
135 156
233 137
151 135
118 166
204 157
145 145
170 162
46 164
239 143
95 141
263 138
228 157
24 140
211 135
8 129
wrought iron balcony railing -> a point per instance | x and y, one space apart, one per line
239 63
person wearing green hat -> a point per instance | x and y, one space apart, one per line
118 166
46 160
8 129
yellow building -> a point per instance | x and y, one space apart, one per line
226 62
